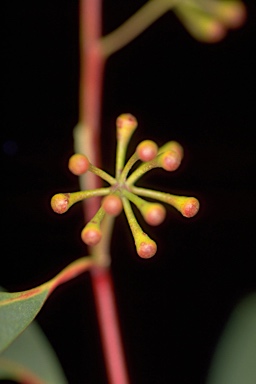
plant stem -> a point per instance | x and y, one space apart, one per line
102 174
91 72
128 167
101 251
161 196
87 134
133 223
141 170
109 326
137 23
81 195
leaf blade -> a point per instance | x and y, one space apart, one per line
31 352
18 309
17 313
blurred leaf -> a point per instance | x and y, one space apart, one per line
234 361
18 309
10 370
31 355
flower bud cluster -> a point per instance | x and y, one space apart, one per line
122 190
209 20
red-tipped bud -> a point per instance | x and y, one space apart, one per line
112 205
125 126
147 150
213 32
170 160
60 202
154 214
231 12
147 249
176 147
187 206
201 24
172 146
91 235
78 164
127 121
190 207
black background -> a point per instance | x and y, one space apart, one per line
174 306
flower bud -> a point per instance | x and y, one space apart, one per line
78 164
172 146
189 207
112 204
169 160
146 249
232 13
154 213
126 122
60 202
125 126
147 150
145 246
202 25
91 234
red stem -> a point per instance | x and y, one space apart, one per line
109 326
91 75
91 79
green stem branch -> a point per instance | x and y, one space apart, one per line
102 174
141 170
128 167
135 25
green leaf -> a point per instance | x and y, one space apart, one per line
10 370
234 361
18 309
31 355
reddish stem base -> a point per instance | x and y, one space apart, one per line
109 325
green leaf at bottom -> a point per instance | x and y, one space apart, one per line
18 309
31 352
234 361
